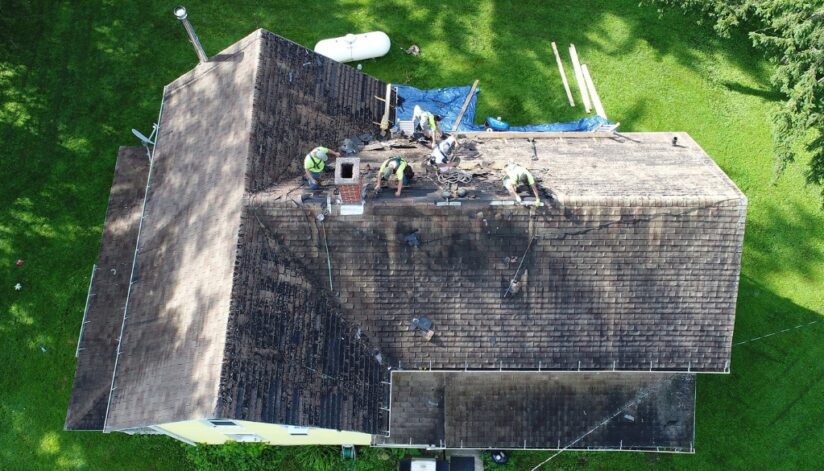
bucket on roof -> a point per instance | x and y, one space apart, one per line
355 47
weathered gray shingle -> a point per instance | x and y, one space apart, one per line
603 287
631 411
104 315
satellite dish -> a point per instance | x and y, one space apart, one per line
146 141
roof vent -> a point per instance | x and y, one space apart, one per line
182 15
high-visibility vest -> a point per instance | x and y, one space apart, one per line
519 176
400 166
313 162
423 117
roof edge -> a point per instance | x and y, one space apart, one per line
204 68
254 36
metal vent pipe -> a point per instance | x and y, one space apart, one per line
180 14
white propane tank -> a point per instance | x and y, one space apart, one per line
355 47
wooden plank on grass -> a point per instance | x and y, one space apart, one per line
465 106
596 100
579 77
563 74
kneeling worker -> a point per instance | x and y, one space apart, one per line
427 123
517 177
400 167
440 156
314 163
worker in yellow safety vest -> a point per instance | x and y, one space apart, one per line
427 124
400 168
517 177
314 163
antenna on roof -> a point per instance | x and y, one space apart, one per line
180 14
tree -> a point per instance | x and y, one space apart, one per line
791 33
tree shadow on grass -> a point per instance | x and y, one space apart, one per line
787 237
776 382
74 93
765 93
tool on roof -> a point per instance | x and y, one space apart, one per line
515 276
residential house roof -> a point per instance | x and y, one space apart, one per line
253 299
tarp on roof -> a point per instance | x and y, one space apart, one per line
448 102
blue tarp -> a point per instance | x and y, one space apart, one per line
448 101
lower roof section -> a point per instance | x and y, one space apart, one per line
103 318
542 410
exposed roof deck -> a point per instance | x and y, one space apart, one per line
632 169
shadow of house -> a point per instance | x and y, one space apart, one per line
254 313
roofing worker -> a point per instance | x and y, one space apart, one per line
400 167
427 123
314 163
517 177
440 156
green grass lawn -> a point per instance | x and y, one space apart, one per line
75 77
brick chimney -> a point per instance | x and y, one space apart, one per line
347 178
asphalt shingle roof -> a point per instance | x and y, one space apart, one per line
237 311
546 410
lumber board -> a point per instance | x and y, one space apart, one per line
579 77
563 74
384 124
465 106
596 100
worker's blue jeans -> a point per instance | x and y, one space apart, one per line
316 176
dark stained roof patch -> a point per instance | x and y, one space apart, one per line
631 411
629 284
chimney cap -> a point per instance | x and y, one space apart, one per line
180 12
